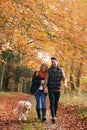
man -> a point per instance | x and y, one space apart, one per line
53 82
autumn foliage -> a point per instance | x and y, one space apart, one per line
50 27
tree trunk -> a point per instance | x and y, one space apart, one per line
72 84
79 75
24 87
78 79
20 85
2 76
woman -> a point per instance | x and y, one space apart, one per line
37 90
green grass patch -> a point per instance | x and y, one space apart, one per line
77 99
74 98
6 94
82 112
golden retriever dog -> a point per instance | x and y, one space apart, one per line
22 110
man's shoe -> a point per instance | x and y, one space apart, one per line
53 119
44 119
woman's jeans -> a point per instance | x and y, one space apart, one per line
40 99
40 103
54 98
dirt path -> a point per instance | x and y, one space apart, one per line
8 120
67 118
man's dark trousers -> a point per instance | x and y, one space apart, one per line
54 98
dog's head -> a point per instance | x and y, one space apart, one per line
28 105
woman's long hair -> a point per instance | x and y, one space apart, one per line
43 66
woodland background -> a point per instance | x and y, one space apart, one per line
31 31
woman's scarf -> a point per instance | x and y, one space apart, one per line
41 74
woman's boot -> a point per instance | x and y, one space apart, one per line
43 114
38 114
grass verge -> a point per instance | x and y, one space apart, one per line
77 99
6 94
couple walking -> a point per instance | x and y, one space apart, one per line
47 80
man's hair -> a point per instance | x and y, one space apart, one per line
53 58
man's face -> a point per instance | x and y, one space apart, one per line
54 63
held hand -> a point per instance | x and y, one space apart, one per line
45 90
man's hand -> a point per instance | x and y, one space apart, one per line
65 85
64 80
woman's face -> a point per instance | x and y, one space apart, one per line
43 69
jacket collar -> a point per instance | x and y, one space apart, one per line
53 68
